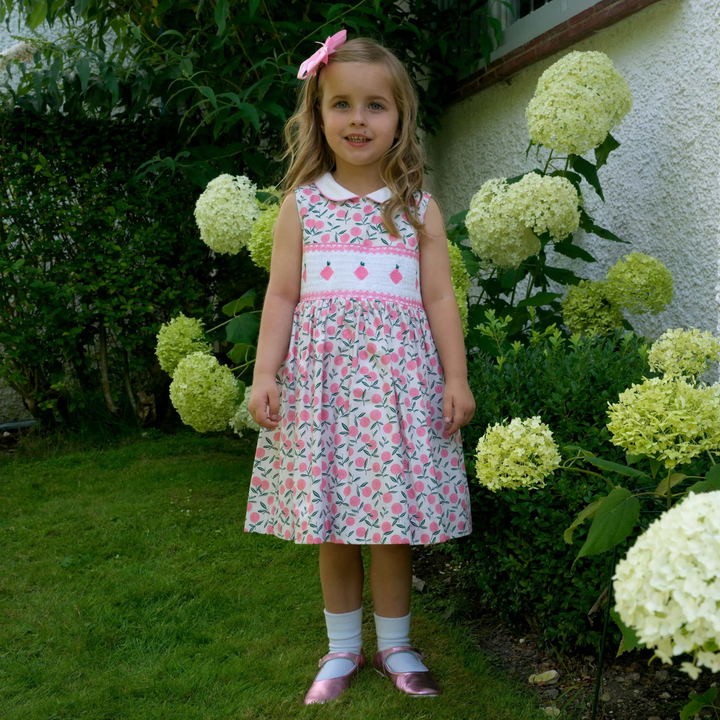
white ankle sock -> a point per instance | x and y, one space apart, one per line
396 631
345 635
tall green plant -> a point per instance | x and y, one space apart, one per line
92 261
228 68
515 225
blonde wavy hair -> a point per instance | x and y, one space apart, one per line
401 167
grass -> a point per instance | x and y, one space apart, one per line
129 589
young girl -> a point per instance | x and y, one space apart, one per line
361 360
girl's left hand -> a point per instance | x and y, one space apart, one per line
458 405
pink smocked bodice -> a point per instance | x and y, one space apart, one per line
347 252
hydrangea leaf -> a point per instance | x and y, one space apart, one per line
589 172
674 479
243 329
604 149
711 482
630 640
585 514
698 702
613 522
232 308
241 353
616 467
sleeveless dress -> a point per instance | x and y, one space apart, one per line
359 455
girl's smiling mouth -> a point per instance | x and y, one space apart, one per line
357 140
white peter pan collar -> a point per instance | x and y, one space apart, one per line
332 190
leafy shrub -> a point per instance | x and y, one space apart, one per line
516 553
92 261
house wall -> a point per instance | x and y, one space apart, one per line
660 186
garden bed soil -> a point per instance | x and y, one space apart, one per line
632 687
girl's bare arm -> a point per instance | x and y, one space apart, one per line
283 291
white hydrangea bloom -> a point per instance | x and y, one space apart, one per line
683 352
177 339
260 243
495 231
242 417
668 419
226 211
204 393
668 586
521 454
577 101
546 203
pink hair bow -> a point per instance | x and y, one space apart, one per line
331 44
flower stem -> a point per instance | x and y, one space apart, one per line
589 472
669 490
548 162
217 327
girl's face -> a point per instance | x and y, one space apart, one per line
359 115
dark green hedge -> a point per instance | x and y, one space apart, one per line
516 553
90 255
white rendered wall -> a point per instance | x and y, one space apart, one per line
661 186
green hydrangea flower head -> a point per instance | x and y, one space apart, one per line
461 283
495 231
519 454
684 352
260 243
668 419
177 339
204 393
640 283
242 418
225 213
587 310
546 203
667 588
577 101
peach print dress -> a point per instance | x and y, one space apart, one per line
360 455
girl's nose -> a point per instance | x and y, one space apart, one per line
358 117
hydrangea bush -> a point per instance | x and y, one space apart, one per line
684 352
578 100
495 231
667 587
588 310
668 598
204 392
640 283
667 419
519 454
461 283
225 213
511 222
242 419
260 243
179 338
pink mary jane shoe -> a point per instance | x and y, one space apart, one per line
322 691
412 683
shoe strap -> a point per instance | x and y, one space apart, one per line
401 648
355 657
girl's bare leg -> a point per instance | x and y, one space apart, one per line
341 576
391 579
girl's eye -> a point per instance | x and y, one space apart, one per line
344 102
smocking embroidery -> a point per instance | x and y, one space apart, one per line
360 294
332 246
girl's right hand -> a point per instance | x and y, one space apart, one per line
264 393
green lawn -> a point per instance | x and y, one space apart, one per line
128 589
